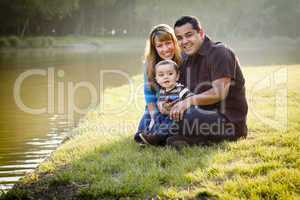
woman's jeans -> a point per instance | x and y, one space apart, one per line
162 125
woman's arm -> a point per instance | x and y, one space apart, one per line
150 95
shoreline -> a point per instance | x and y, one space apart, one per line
77 42
281 50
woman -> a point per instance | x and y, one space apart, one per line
161 45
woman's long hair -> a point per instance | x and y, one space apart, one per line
162 32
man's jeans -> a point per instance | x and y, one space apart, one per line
206 125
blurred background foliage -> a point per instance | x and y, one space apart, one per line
221 18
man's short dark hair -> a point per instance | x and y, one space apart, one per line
188 19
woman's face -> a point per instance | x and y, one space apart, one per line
165 49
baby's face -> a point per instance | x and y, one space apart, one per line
166 76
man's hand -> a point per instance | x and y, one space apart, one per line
179 108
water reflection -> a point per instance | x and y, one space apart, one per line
25 155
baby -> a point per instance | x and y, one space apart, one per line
170 92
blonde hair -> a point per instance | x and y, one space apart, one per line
162 32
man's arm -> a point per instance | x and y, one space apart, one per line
217 93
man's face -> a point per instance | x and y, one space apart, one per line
189 39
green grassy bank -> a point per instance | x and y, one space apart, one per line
101 161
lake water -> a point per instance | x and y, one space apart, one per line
38 89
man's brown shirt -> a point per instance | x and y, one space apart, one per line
214 61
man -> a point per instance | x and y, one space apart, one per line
212 72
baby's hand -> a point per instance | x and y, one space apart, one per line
168 106
161 107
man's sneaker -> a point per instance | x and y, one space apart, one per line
152 139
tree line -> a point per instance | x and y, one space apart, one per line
238 18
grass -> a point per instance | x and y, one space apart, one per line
101 161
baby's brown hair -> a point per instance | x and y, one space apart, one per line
167 62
